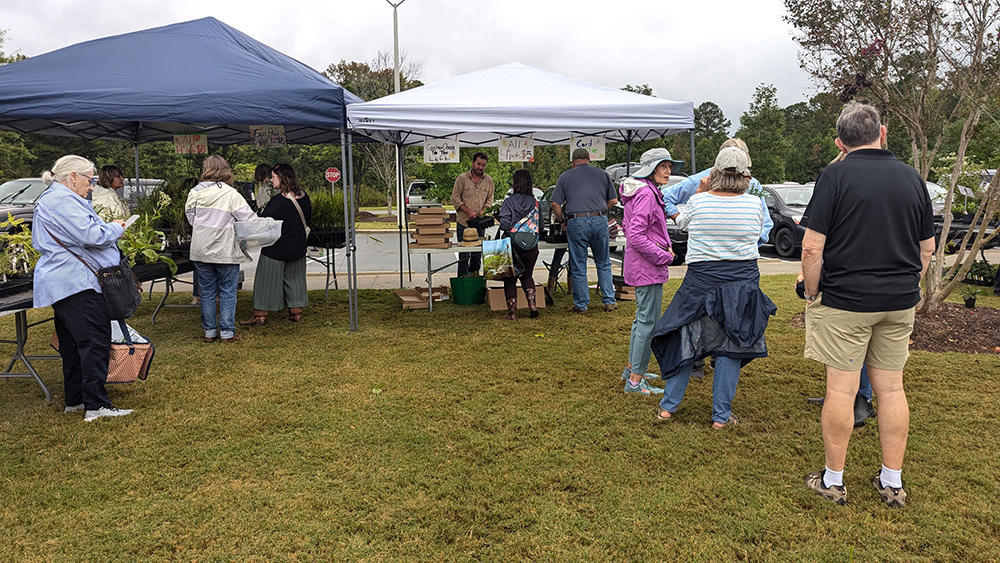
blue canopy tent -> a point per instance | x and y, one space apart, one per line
200 76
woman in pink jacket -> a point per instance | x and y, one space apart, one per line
646 259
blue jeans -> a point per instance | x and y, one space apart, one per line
724 380
648 305
468 262
218 280
593 232
865 389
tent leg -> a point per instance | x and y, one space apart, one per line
135 151
348 227
352 244
693 169
628 157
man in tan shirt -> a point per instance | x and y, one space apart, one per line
472 194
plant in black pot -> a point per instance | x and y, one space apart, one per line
17 256
327 220
969 294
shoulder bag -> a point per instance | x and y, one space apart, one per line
524 233
301 215
121 289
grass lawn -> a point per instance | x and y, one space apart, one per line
486 440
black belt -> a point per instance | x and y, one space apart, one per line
590 214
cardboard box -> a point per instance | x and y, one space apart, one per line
494 296
624 296
441 229
428 220
410 299
431 245
440 292
432 239
432 211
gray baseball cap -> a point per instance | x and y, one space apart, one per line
651 159
733 160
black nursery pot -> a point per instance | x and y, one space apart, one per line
970 302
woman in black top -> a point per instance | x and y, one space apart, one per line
280 280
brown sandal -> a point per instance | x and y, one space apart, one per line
254 320
294 317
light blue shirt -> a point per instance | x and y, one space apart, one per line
71 219
682 191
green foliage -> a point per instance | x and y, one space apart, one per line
327 210
142 243
645 89
810 129
17 255
15 159
711 123
762 127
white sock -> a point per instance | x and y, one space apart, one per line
891 478
833 478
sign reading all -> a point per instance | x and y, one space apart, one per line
440 150
190 144
267 136
594 145
516 149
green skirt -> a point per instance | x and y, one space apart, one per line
279 284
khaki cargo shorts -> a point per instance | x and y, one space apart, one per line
845 340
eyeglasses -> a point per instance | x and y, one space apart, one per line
92 180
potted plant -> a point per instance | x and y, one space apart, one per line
969 294
143 244
17 256
327 220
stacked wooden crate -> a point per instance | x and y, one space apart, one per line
430 228
623 292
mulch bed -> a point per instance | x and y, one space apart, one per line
368 217
952 328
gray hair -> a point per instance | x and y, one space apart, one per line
858 125
728 182
64 166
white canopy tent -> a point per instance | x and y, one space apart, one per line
512 100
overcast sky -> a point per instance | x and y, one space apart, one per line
715 50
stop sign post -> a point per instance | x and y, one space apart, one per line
332 175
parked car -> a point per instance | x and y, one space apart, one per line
146 186
18 197
418 194
615 214
786 203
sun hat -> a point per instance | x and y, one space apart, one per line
651 159
733 160
470 237
581 154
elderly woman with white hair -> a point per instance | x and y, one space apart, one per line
73 240
719 310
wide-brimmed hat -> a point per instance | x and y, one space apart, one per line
470 237
651 159
733 160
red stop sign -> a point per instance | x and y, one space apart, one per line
332 174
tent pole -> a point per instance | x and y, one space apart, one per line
628 157
693 169
135 151
353 258
347 225
400 206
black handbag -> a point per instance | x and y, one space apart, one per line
524 233
120 287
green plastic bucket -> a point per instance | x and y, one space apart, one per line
468 291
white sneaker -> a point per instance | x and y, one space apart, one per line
73 408
105 411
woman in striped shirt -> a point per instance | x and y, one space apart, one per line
719 309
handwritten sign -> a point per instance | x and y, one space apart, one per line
440 150
594 145
267 136
516 149
190 144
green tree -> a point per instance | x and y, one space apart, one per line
810 128
377 164
645 89
762 127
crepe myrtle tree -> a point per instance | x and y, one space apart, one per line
930 64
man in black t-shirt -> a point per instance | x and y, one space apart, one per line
869 238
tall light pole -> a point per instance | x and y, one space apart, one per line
400 196
395 41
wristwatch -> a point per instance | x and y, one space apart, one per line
812 297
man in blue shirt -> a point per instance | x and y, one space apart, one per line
680 192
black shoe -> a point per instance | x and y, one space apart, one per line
863 410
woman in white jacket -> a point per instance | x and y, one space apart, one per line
212 207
